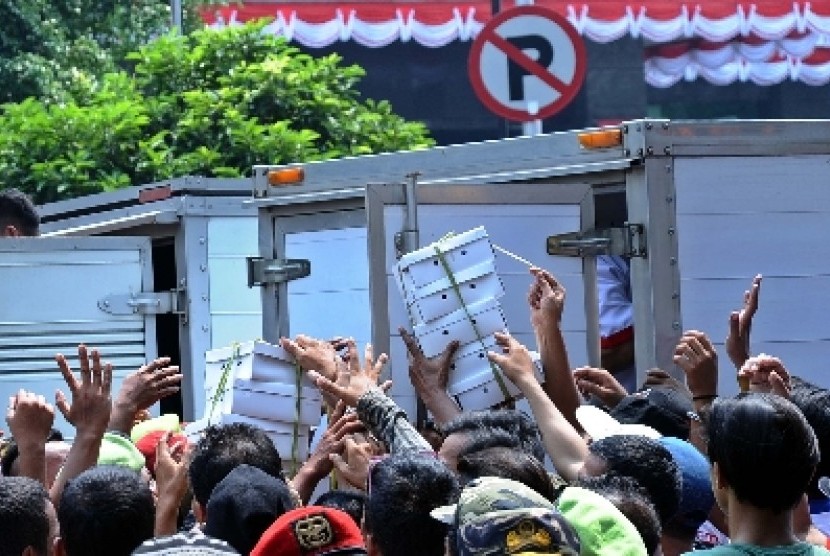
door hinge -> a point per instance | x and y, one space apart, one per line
262 272
144 303
628 241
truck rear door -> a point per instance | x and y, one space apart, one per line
60 292
518 218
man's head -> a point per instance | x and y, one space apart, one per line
458 432
632 501
222 449
312 531
696 499
403 490
18 215
762 449
507 463
106 510
814 403
28 524
643 459
495 515
346 501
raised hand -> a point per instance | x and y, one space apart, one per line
30 419
353 465
766 374
600 384
514 360
740 325
698 359
91 405
141 389
428 374
359 379
171 483
546 299
315 355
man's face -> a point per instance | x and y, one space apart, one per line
451 448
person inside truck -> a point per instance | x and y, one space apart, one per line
616 319
18 215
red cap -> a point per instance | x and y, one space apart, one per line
311 531
147 446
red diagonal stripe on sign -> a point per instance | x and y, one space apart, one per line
528 63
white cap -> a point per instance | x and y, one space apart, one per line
598 424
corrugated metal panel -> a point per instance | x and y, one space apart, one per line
51 288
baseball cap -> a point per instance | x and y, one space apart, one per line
119 450
599 424
502 516
311 531
603 530
147 446
664 409
244 504
185 544
169 422
696 498
489 494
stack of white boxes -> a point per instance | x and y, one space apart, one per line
468 311
261 390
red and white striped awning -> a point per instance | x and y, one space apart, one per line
764 41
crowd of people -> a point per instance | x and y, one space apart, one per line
595 469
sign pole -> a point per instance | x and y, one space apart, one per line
533 127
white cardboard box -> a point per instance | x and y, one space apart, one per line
275 401
483 318
440 298
480 390
422 267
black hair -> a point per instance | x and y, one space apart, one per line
11 452
222 449
649 463
106 510
757 436
352 502
632 500
814 403
506 463
23 520
18 210
515 422
405 488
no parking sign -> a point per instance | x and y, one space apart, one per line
527 63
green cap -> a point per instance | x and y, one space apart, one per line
488 494
118 450
603 529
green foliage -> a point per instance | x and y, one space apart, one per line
211 103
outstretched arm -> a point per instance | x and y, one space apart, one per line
566 448
429 377
547 302
740 325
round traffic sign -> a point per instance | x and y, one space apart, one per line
527 63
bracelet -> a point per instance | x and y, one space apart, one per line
704 397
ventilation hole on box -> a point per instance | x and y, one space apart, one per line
452 367
463 251
472 286
435 263
445 332
443 296
485 390
481 356
473 321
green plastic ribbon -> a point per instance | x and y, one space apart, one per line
457 289
227 371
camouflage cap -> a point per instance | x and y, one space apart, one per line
490 494
521 531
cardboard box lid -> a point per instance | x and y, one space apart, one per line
445 244
307 391
257 347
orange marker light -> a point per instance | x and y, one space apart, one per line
286 176
602 139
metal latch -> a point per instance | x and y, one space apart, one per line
142 303
628 241
276 271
